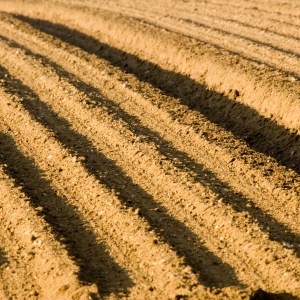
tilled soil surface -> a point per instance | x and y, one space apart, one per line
149 149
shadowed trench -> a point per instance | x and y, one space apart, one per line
95 265
276 230
261 134
49 118
187 244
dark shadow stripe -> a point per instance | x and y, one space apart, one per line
262 295
209 267
286 23
254 41
261 134
235 54
95 264
276 231
260 28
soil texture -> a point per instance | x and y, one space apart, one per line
149 149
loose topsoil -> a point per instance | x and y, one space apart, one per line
149 149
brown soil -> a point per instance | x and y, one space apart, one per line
149 149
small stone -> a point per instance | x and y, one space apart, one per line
137 212
64 288
34 293
269 259
288 246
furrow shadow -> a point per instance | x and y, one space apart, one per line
236 54
262 295
209 267
95 264
257 28
253 8
261 134
254 41
268 224
275 230
286 23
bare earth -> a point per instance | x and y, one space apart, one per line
149 149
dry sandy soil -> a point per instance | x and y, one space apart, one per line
149 149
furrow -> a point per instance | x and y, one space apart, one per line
261 19
177 19
281 9
117 182
33 264
250 36
190 196
220 71
97 238
183 142
222 109
142 102
260 46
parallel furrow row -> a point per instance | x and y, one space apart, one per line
73 196
139 100
260 46
33 252
176 53
94 128
226 25
129 166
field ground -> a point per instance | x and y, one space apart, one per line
149 149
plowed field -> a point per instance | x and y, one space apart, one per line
149 149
